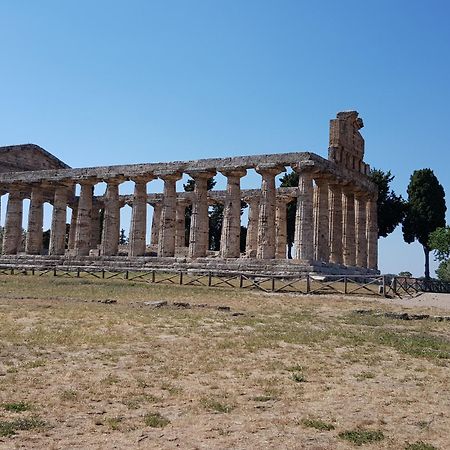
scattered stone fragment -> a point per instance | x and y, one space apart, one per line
157 304
107 301
181 304
237 314
224 308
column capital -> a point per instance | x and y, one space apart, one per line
114 181
201 174
90 181
284 199
167 175
183 201
270 169
251 199
237 172
144 178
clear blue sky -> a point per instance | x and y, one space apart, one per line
107 82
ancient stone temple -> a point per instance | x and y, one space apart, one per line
335 220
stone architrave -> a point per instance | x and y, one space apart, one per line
84 219
372 233
13 223
139 216
335 223
156 218
199 232
266 223
166 241
348 227
231 225
57 244
252 226
33 245
321 220
303 235
111 219
361 229
180 219
281 226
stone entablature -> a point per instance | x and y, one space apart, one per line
335 216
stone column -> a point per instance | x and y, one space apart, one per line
111 219
252 226
157 207
321 223
84 219
73 225
361 229
304 233
95 227
348 230
372 233
199 233
13 222
335 223
266 223
281 226
166 240
58 230
231 225
139 217
180 226
33 245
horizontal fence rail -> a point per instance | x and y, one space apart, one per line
372 285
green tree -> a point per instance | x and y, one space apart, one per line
425 211
439 242
391 208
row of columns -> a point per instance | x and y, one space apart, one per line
334 222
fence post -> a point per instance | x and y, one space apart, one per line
126 275
394 285
153 275
273 283
209 279
241 280
78 272
308 284
181 277
32 271
103 273
384 285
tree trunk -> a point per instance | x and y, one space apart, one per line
427 262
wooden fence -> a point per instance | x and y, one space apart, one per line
374 285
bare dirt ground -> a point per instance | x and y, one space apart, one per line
274 372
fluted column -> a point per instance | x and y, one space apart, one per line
139 217
180 225
304 232
166 240
252 226
361 229
281 226
157 207
58 230
321 223
12 235
231 225
73 225
335 192
266 223
111 219
33 245
372 233
84 219
95 227
199 233
348 230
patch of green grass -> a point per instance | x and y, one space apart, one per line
420 445
114 422
215 405
364 376
317 424
10 428
16 407
298 377
69 395
263 398
156 420
360 437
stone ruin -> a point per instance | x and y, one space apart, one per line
335 224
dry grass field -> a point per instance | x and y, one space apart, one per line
275 371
